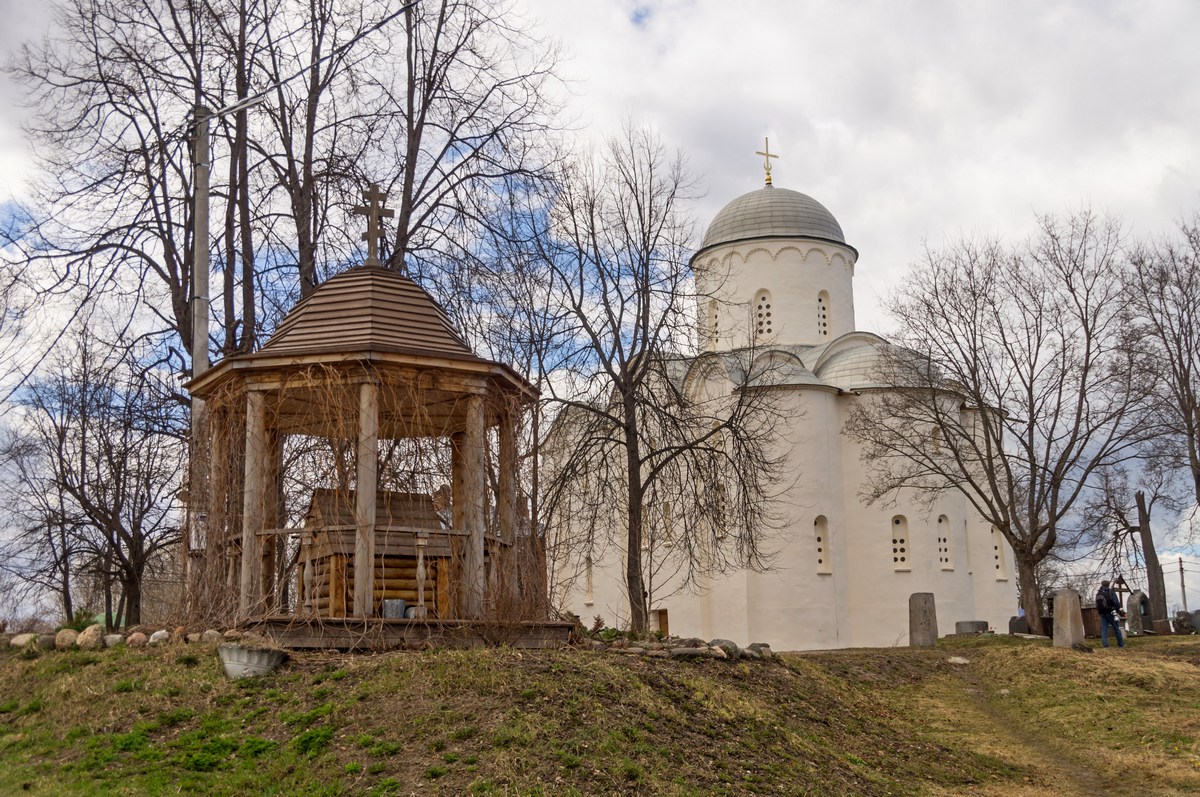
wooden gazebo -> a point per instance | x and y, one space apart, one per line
369 357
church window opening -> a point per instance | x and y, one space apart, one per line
998 554
764 325
821 533
900 542
823 314
588 596
714 321
943 538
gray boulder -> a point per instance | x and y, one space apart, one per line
21 640
112 640
160 637
46 641
731 649
211 637
762 649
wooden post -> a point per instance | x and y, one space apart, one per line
452 569
367 462
253 495
504 560
474 519
272 518
421 612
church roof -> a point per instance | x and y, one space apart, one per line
368 308
773 213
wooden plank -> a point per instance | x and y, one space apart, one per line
366 481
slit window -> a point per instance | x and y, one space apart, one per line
823 314
821 542
900 554
764 322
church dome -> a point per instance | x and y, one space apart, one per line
773 213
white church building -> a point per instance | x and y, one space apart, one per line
842 571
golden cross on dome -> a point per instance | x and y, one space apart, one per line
374 211
766 153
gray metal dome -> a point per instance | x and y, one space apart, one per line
773 213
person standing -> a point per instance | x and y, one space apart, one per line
1108 605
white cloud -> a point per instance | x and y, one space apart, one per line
908 121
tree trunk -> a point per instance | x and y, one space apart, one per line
1031 602
132 588
1156 584
633 554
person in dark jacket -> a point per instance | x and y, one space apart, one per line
1108 605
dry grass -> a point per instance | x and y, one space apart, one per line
498 721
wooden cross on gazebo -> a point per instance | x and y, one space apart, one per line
374 211
766 153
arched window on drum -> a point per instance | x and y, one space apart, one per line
824 315
764 319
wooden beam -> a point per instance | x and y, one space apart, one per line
250 594
474 506
366 485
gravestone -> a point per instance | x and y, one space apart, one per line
1018 625
1068 619
971 627
922 620
1138 608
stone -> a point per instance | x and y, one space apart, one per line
180 631
92 638
136 640
618 644
1005 692
1018 625
232 635
922 620
687 653
659 654
596 644
65 639
112 640
160 637
971 627
22 640
716 653
1068 619
747 653
46 641
211 637
192 639
731 649
1139 621
762 648
958 660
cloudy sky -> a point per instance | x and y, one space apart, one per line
911 122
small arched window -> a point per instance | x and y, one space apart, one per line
900 557
764 323
823 314
821 538
945 559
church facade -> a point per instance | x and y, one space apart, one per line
780 272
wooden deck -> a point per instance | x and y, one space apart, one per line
300 633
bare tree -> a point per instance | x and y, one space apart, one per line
642 421
443 102
1118 519
1010 357
98 464
1163 319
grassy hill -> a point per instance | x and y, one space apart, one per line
1020 719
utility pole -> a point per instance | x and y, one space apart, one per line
1182 586
197 503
